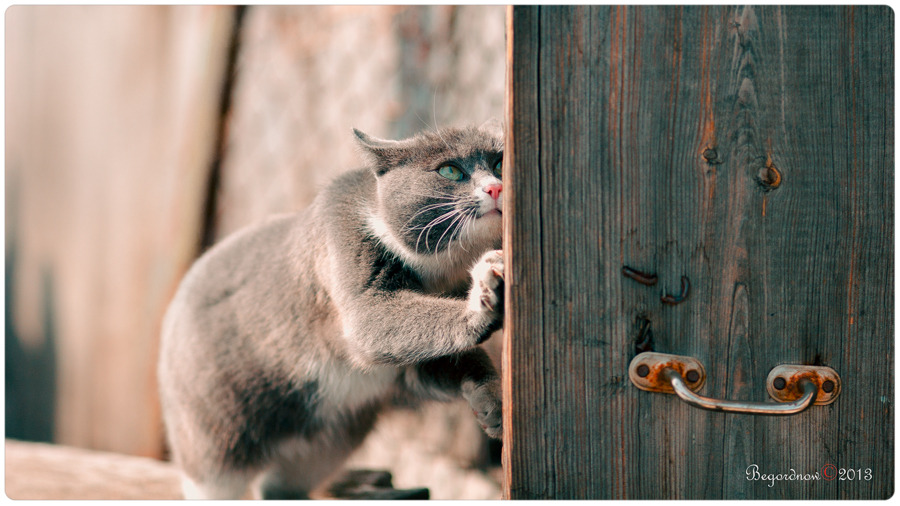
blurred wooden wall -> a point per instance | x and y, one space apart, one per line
307 75
129 151
111 122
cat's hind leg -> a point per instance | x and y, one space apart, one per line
299 466
225 486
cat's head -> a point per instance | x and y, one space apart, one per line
440 191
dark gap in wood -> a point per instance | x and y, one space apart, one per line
208 230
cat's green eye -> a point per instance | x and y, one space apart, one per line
451 172
498 168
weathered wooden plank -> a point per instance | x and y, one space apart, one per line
749 149
36 471
522 239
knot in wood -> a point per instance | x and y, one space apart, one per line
769 177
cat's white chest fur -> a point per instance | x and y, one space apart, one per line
342 386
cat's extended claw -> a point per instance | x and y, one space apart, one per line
487 285
486 302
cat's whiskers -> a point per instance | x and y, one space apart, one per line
447 216
434 116
461 219
454 235
465 229
470 223
424 123
457 230
426 209
449 239
440 219
456 200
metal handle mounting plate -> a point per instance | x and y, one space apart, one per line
646 370
825 378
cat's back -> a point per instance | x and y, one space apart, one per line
241 259
275 267
344 203
225 293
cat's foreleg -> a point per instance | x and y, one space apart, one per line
485 401
405 327
470 374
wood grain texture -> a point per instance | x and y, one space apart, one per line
749 149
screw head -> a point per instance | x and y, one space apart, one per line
779 383
692 376
643 370
828 386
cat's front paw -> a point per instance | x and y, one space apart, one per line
486 295
486 404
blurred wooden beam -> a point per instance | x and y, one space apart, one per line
111 130
49 472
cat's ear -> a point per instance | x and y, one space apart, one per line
383 153
374 143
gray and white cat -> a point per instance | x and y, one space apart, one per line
285 341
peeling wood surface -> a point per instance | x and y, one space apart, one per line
749 149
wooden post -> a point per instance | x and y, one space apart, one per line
748 149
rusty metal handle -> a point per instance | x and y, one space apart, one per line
795 387
810 390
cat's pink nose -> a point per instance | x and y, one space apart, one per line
493 189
